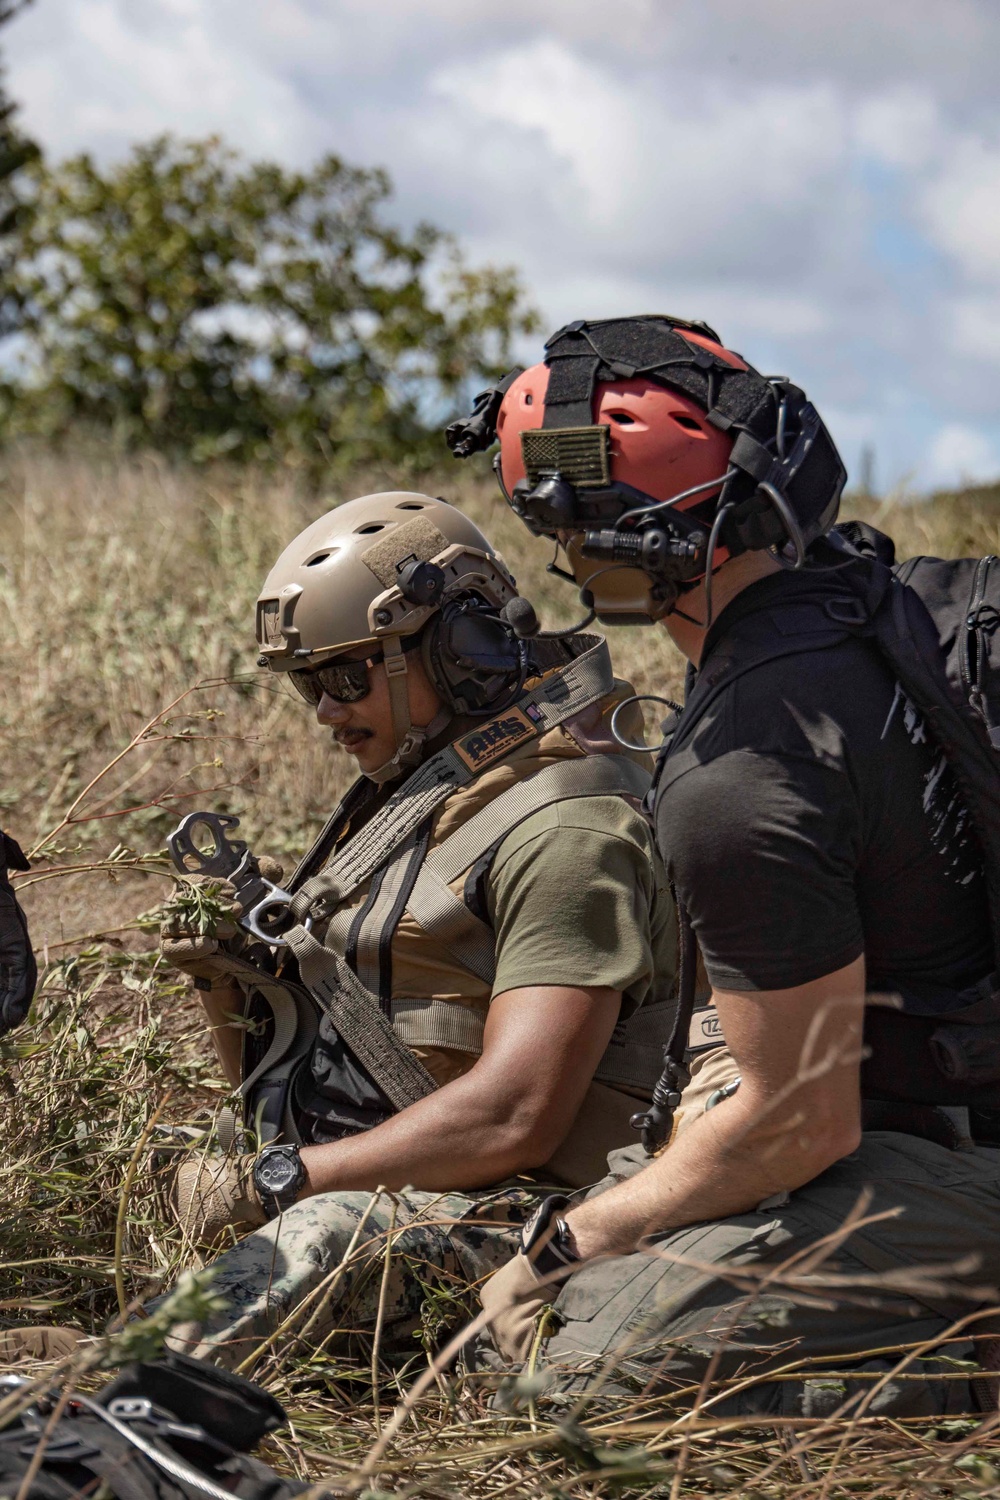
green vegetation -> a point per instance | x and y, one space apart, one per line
185 300
131 696
16 150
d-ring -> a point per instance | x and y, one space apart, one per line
642 698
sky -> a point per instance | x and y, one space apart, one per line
820 181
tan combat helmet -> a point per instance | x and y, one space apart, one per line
371 572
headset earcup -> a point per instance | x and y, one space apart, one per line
482 642
469 655
433 657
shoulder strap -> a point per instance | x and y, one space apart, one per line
443 914
556 698
359 795
360 1021
584 776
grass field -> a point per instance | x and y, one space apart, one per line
130 694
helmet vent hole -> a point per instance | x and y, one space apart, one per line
315 561
688 422
367 530
529 399
410 505
623 418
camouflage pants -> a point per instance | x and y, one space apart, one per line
726 1301
316 1273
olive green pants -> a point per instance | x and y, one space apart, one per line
317 1276
712 1303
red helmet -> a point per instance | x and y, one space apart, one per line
652 453
661 440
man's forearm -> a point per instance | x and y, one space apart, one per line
452 1139
725 1163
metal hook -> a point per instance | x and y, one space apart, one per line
641 698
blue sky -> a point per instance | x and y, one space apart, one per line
820 181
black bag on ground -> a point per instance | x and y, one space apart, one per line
172 1429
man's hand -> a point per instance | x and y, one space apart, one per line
197 923
210 1195
515 1296
200 918
18 970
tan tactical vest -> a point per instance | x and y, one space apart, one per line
441 955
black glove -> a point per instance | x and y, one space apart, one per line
18 970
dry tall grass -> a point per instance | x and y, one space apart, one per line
127 599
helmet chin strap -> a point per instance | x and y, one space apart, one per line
410 739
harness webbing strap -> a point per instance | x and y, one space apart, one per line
633 1059
439 1023
383 914
446 918
584 776
556 698
444 915
360 1022
291 1038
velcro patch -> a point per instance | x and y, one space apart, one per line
418 538
481 747
705 1031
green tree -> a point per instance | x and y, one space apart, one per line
15 151
194 302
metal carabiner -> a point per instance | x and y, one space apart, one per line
264 904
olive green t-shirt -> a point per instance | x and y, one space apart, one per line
577 896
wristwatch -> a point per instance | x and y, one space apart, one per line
279 1177
546 1239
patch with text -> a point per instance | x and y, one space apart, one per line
482 746
705 1031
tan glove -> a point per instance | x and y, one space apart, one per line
516 1297
42 1343
210 1195
196 952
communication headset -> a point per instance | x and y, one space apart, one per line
471 652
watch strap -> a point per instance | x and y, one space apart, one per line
546 1239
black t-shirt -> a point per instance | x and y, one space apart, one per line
808 818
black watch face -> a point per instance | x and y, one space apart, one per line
277 1172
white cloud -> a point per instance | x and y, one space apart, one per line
902 128
961 208
661 170
961 455
704 157
102 74
973 325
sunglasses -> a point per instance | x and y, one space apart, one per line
343 681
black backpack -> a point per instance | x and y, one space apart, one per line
937 624
170 1429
